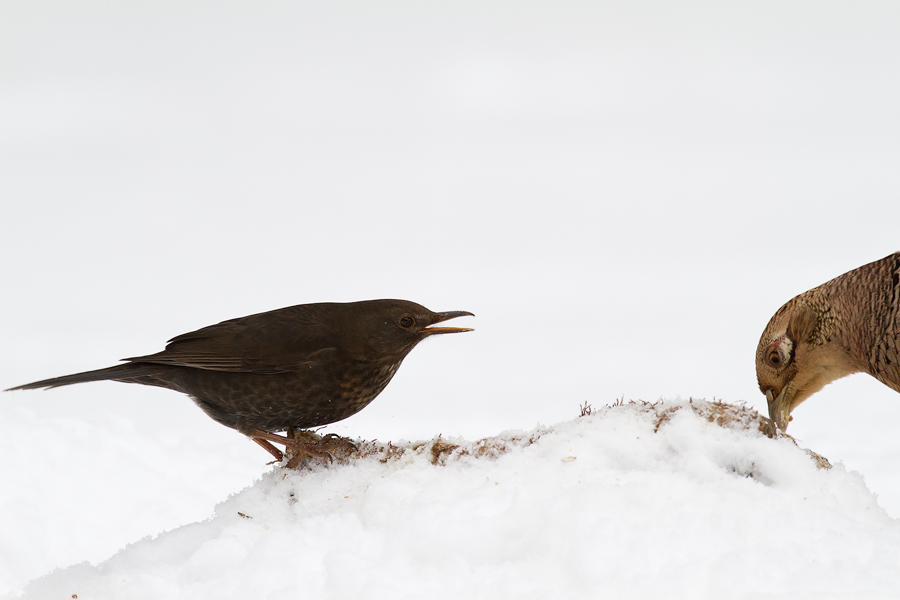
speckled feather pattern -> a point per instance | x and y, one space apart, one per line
248 401
862 309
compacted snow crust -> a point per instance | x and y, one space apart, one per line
684 499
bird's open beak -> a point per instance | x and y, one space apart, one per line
779 407
446 316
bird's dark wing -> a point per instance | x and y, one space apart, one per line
278 341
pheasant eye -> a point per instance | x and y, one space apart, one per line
774 358
407 322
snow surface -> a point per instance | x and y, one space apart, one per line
681 499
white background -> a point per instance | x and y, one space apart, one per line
623 193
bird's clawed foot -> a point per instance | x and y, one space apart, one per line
309 444
300 444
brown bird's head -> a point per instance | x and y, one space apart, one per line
392 328
800 352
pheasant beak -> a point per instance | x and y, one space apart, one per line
779 407
446 316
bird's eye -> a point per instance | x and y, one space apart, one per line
407 322
774 358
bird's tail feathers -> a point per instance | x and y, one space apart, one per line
124 371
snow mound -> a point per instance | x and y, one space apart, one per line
683 499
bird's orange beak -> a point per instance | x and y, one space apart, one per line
446 316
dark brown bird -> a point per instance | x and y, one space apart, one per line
296 367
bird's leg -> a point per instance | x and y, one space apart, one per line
279 456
